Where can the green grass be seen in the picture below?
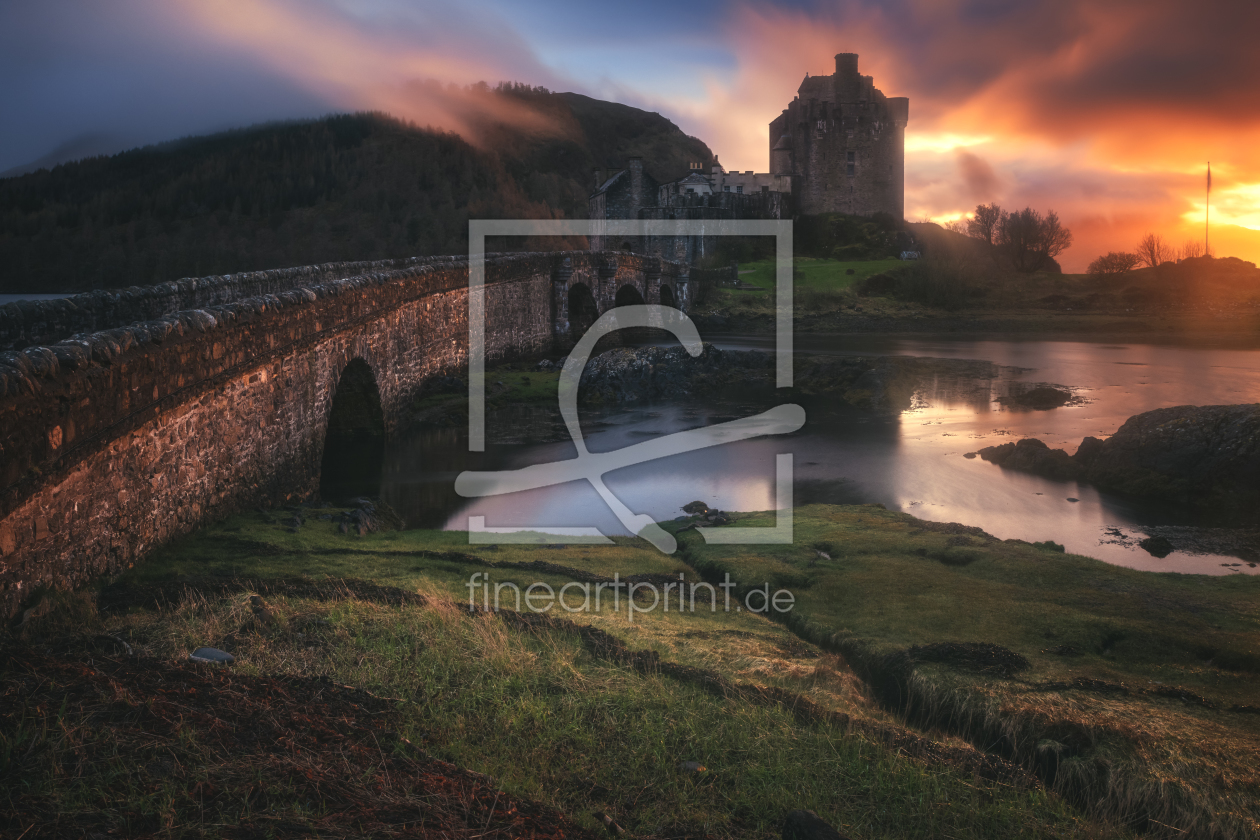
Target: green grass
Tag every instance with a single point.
(506, 385)
(815, 274)
(538, 710)
(893, 583)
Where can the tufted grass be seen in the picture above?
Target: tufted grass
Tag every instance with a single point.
(538, 710)
(1181, 758)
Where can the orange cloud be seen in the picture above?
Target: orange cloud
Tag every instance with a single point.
(1106, 113)
(361, 67)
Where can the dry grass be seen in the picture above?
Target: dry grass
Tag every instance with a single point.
(567, 717)
(1147, 724)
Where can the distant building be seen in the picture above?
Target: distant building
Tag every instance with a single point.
(839, 147)
(632, 193)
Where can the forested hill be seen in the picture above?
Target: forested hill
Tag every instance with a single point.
(350, 187)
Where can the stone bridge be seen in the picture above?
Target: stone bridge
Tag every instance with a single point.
(193, 399)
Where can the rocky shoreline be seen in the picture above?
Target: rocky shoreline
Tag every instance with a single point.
(1206, 458)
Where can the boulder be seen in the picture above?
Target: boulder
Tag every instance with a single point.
(802, 824)
(211, 656)
(1158, 546)
(1204, 457)
(1201, 455)
(1031, 455)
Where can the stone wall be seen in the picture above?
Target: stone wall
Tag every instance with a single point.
(31, 322)
(114, 442)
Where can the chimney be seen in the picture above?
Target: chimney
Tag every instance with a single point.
(599, 177)
(636, 183)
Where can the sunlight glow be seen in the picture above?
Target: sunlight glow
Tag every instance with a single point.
(942, 141)
(1236, 205)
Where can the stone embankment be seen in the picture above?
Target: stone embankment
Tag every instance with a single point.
(1205, 457)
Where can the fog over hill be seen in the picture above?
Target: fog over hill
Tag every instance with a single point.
(345, 187)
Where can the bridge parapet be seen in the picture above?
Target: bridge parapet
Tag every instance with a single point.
(33, 322)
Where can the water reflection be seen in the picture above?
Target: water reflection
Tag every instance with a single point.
(913, 461)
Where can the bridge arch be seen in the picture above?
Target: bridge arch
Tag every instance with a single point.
(667, 296)
(628, 295)
(354, 440)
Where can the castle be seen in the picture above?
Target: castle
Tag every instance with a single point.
(842, 142)
(838, 147)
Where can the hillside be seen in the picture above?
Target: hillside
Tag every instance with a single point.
(346, 187)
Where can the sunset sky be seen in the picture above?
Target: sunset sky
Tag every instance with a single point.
(1104, 111)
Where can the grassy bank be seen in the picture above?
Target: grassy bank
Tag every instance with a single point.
(1132, 693)
(947, 295)
(387, 678)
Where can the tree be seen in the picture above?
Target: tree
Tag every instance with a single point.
(1113, 262)
(986, 223)
(1153, 250)
(1030, 241)
(1190, 249)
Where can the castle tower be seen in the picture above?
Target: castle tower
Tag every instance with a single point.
(843, 143)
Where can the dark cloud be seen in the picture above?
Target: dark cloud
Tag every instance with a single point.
(978, 176)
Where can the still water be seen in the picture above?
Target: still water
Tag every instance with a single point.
(912, 461)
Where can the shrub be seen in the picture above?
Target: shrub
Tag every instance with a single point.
(940, 283)
(1113, 262)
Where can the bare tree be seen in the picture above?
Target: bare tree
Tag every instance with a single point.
(1190, 249)
(1153, 250)
(986, 223)
(1055, 238)
(1113, 262)
(1029, 241)
(956, 226)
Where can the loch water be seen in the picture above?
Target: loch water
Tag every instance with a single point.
(912, 461)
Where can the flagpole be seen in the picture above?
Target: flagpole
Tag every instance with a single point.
(1207, 213)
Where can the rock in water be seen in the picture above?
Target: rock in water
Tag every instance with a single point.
(1031, 455)
(1204, 457)
(1158, 546)
(1040, 399)
(806, 825)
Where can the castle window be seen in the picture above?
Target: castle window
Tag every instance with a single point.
(726, 188)
(765, 189)
(850, 163)
(739, 188)
(690, 191)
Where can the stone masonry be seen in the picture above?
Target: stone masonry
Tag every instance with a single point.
(843, 143)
